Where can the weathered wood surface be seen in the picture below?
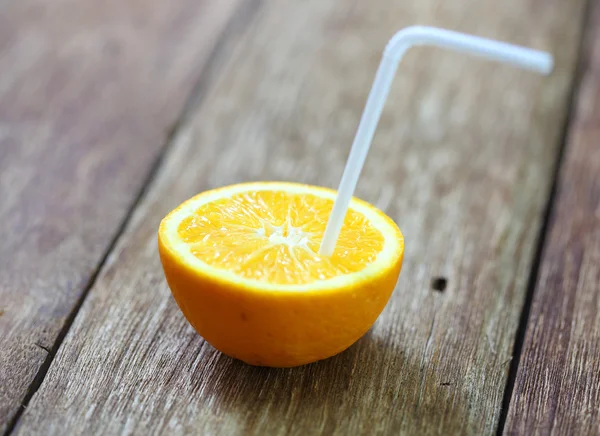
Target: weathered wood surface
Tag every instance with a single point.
(88, 94)
(462, 161)
(557, 389)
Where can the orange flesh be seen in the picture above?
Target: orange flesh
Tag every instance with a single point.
(274, 237)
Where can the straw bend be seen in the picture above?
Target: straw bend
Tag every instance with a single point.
(534, 60)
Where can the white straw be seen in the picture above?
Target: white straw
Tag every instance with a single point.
(526, 58)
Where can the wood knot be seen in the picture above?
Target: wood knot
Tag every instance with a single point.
(439, 284)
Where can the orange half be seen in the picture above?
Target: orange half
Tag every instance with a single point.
(242, 263)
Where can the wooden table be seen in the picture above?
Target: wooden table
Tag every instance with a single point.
(113, 112)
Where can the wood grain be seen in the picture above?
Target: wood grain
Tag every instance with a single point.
(557, 388)
(462, 161)
(88, 94)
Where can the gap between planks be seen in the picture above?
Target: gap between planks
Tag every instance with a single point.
(543, 233)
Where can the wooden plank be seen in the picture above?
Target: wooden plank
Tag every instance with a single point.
(462, 161)
(557, 387)
(88, 94)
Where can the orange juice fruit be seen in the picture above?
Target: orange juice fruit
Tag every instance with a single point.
(242, 263)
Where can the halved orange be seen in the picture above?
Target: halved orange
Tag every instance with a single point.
(242, 263)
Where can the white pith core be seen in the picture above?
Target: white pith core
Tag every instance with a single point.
(286, 234)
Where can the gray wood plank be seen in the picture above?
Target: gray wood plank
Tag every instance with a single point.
(89, 91)
(557, 388)
(462, 161)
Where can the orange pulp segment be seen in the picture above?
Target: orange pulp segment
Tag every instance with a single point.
(274, 237)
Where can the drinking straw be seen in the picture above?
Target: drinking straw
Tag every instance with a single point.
(406, 38)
